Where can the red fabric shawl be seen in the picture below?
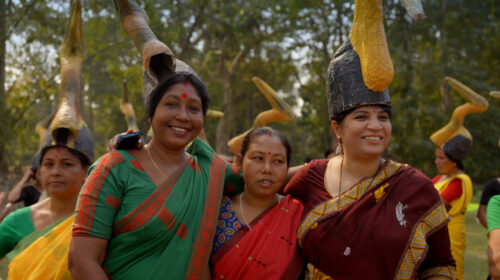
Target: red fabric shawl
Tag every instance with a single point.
(269, 251)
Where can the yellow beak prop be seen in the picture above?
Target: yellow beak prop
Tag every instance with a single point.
(280, 112)
(475, 104)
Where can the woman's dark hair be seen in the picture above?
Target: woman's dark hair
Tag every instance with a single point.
(84, 160)
(266, 130)
(459, 163)
(341, 116)
(171, 80)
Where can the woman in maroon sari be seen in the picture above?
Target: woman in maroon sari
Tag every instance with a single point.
(256, 235)
(367, 217)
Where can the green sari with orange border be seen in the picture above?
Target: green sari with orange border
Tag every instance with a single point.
(163, 232)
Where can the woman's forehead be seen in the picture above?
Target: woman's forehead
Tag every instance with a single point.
(267, 142)
(59, 152)
(184, 90)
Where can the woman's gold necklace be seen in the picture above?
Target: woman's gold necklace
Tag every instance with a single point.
(242, 214)
(154, 163)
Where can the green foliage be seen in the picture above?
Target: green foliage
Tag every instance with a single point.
(450, 42)
(288, 44)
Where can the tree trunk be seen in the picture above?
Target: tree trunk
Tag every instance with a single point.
(443, 58)
(222, 128)
(3, 39)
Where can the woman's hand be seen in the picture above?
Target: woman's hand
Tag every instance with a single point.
(28, 173)
(15, 192)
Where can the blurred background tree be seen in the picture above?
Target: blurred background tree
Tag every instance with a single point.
(287, 43)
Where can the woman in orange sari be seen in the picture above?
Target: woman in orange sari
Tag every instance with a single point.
(256, 233)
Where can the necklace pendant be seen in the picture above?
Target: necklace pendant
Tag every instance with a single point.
(347, 251)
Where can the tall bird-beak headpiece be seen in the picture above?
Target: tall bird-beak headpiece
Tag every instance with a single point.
(454, 138)
(361, 69)
(67, 127)
(280, 112)
(157, 59)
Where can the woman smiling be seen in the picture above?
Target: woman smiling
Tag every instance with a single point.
(149, 213)
(367, 217)
(256, 235)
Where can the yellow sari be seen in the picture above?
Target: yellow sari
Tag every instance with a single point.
(456, 226)
(45, 258)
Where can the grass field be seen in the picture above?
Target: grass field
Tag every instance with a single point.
(475, 260)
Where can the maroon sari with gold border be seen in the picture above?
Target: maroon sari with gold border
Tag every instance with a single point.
(392, 226)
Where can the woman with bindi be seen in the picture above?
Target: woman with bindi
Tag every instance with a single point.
(63, 169)
(256, 233)
(66, 154)
(42, 230)
(158, 204)
(366, 217)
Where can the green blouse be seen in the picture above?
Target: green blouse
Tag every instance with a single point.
(13, 228)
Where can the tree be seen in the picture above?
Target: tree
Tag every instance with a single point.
(289, 44)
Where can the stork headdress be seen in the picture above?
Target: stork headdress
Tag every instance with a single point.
(68, 128)
(361, 69)
(454, 138)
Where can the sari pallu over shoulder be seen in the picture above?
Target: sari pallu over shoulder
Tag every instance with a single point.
(40, 255)
(459, 205)
(456, 226)
(268, 251)
(174, 227)
(170, 233)
(380, 228)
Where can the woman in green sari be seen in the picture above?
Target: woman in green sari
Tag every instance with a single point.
(66, 153)
(151, 213)
(63, 169)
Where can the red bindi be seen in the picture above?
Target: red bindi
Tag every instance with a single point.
(269, 153)
(184, 95)
(270, 133)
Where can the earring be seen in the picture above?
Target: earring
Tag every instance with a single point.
(338, 150)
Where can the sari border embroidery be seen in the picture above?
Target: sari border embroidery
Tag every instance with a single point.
(149, 207)
(330, 206)
(417, 246)
(112, 201)
(95, 181)
(202, 247)
(314, 273)
(440, 272)
(166, 217)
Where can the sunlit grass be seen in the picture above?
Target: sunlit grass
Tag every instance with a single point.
(475, 259)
